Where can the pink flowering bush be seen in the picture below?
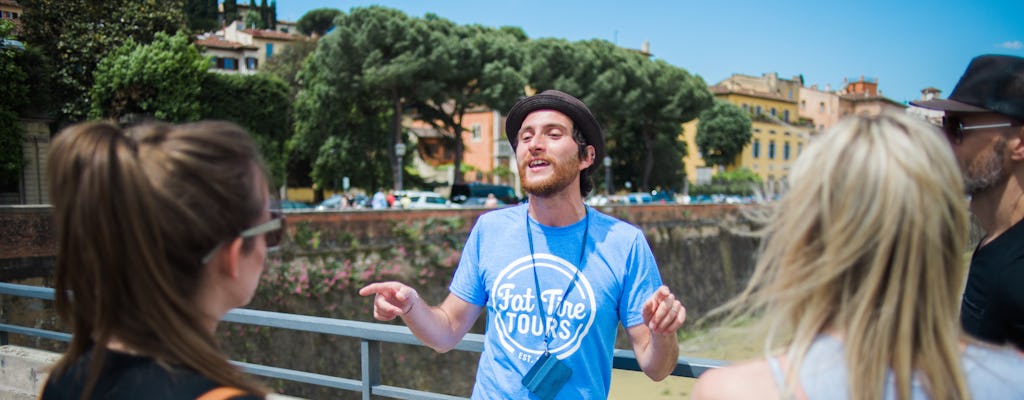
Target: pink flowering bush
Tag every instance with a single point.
(319, 272)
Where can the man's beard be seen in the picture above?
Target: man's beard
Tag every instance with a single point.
(989, 174)
(565, 171)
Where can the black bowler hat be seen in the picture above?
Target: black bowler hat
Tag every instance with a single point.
(992, 83)
(565, 104)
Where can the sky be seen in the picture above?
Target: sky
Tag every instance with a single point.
(906, 45)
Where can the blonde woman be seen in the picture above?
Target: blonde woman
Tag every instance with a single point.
(161, 230)
(860, 275)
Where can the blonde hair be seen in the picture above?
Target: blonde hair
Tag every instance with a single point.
(868, 244)
(135, 212)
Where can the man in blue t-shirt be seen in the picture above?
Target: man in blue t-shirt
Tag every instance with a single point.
(555, 276)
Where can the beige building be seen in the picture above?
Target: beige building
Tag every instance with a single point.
(229, 57)
(10, 10)
(819, 106)
(266, 42)
(933, 116)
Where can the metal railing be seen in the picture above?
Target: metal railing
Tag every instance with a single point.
(371, 335)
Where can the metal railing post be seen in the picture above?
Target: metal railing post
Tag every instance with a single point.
(370, 354)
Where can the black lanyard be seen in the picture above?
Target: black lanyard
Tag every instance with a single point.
(572, 283)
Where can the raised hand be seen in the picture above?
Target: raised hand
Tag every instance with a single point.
(392, 299)
(662, 313)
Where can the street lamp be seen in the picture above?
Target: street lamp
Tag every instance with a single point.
(607, 175)
(399, 153)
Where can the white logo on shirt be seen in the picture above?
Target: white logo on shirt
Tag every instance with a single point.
(518, 318)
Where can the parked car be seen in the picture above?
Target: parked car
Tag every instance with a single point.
(422, 200)
(331, 203)
(479, 202)
(287, 205)
(463, 191)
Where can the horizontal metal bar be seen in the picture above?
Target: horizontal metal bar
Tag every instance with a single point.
(300, 376)
(340, 327)
(35, 332)
(36, 292)
(403, 393)
(686, 367)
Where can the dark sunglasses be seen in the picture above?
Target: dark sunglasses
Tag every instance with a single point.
(272, 231)
(955, 128)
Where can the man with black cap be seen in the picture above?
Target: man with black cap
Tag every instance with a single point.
(555, 276)
(984, 121)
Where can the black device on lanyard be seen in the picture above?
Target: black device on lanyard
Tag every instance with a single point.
(547, 377)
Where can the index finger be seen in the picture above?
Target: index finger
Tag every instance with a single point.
(661, 294)
(375, 288)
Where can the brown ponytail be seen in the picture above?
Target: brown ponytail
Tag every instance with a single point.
(135, 212)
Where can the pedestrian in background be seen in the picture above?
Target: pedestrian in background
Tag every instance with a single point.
(859, 275)
(161, 231)
(379, 200)
(491, 201)
(984, 122)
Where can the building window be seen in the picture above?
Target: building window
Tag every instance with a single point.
(803, 104)
(790, 94)
(773, 111)
(785, 151)
(799, 148)
(785, 115)
(821, 107)
(771, 132)
(756, 150)
(771, 150)
(270, 50)
(757, 110)
(251, 63)
(227, 63)
(475, 129)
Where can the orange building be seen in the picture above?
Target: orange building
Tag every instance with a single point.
(486, 157)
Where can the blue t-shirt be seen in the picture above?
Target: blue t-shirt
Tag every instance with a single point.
(497, 271)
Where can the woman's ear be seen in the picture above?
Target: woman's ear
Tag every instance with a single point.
(229, 257)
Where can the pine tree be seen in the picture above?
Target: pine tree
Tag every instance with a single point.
(264, 14)
(230, 11)
(273, 14)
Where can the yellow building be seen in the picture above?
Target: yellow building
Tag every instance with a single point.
(778, 136)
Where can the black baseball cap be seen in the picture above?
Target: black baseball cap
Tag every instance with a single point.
(992, 83)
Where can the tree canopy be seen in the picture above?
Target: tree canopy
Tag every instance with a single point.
(722, 132)
(162, 79)
(77, 34)
(474, 66)
(317, 22)
(259, 103)
(374, 65)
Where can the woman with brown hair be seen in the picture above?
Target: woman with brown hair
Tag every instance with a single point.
(161, 230)
(859, 278)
